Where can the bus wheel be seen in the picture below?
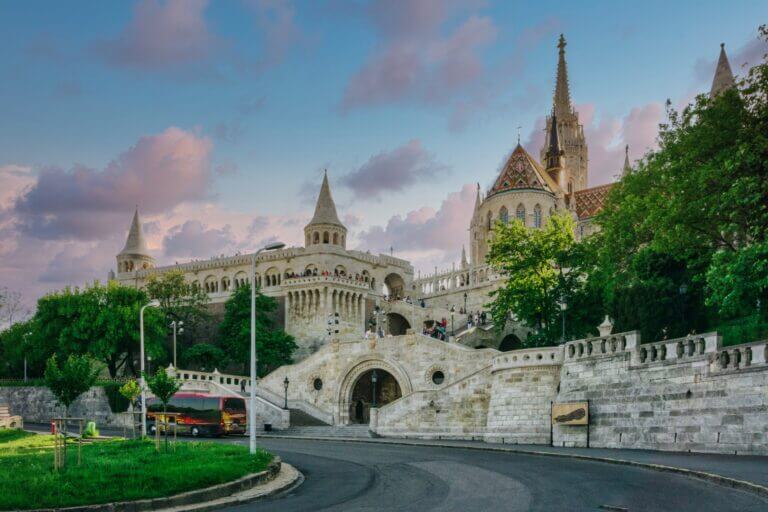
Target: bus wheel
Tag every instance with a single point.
(195, 431)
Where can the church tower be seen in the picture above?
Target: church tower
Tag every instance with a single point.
(723, 79)
(570, 132)
(325, 226)
(135, 255)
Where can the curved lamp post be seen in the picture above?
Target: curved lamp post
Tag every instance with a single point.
(286, 383)
(374, 377)
(177, 329)
(252, 402)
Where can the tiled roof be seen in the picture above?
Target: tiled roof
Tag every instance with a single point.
(521, 171)
(590, 201)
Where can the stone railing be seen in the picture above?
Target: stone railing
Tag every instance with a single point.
(528, 357)
(310, 280)
(688, 347)
(601, 346)
(741, 356)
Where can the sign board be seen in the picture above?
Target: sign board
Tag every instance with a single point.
(573, 413)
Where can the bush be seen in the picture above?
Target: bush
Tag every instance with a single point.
(117, 402)
(90, 430)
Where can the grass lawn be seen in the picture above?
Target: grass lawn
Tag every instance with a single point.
(113, 470)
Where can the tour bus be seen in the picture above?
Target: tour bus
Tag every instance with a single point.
(199, 414)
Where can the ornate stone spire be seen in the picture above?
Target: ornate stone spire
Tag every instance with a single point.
(723, 79)
(325, 209)
(554, 149)
(562, 100)
(627, 170)
(464, 262)
(135, 244)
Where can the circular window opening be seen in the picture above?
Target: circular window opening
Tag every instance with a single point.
(438, 377)
(317, 384)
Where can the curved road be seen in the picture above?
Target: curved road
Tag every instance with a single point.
(372, 477)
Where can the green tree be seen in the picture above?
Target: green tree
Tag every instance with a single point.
(542, 268)
(163, 386)
(131, 392)
(205, 357)
(75, 376)
(273, 346)
(15, 345)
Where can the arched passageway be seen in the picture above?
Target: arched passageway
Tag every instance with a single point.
(510, 342)
(387, 390)
(394, 286)
(397, 324)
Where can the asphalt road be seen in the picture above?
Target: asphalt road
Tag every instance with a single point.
(372, 477)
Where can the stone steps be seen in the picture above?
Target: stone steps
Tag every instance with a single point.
(340, 431)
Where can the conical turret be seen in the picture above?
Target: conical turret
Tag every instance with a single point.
(135, 255)
(555, 161)
(325, 226)
(464, 262)
(723, 79)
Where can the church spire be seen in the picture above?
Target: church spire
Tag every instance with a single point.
(477, 198)
(554, 149)
(627, 170)
(464, 262)
(135, 243)
(562, 101)
(723, 75)
(325, 209)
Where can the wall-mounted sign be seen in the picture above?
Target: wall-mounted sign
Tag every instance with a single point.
(572, 413)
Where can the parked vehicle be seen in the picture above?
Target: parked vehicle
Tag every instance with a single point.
(199, 414)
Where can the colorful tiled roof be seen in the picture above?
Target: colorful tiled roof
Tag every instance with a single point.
(521, 171)
(590, 201)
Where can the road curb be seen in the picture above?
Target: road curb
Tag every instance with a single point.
(733, 483)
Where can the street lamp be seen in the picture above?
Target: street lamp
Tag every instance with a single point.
(149, 365)
(453, 313)
(252, 402)
(286, 382)
(374, 377)
(142, 382)
(177, 328)
(682, 291)
(563, 307)
(465, 304)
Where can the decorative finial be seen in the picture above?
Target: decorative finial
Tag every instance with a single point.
(722, 45)
(518, 134)
(626, 150)
(561, 43)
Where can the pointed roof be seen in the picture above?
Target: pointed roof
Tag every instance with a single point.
(554, 150)
(464, 262)
(562, 101)
(723, 75)
(135, 244)
(521, 171)
(325, 209)
(627, 167)
(590, 201)
(477, 199)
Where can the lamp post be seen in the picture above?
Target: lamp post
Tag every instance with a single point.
(252, 402)
(374, 377)
(286, 382)
(149, 365)
(682, 291)
(563, 307)
(465, 303)
(453, 313)
(142, 382)
(177, 328)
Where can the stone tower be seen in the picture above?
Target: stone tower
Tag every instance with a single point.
(135, 255)
(325, 226)
(571, 132)
(723, 75)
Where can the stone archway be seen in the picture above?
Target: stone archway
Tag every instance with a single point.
(355, 375)
(397, 324)
(386, 390)
(394, 286)
(510, 342)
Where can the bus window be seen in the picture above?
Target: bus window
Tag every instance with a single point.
(234, 404)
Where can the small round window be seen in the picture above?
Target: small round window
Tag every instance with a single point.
(317, 384)
(438, 377)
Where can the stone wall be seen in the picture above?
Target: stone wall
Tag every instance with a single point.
(36, 404)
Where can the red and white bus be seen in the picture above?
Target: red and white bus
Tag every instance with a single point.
(199, 414)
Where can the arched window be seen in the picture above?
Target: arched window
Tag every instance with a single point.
(326, 237)
(537, 216)
(335, 239)
(490, 220)
(504, 215)
(316, 238)
(520, 214)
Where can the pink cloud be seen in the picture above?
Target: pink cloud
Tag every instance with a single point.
(393, 170)
(414, 59)
(162, 34)
(157, 173)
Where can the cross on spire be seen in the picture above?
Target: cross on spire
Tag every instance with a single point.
(562, 101)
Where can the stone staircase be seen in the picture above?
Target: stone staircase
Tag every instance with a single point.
(337, 431)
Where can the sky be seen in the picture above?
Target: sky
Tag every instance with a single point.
(217, 118)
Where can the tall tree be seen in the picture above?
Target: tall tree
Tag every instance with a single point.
(273, 346)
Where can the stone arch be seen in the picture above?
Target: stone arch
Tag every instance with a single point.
(340, 270)
(397, 324)
(504, 215)
(395, 285)
(241, 279)
(510, 342)
(210, 284)
(316, 237)
(326, 237)
(357, 370)
(335, 239)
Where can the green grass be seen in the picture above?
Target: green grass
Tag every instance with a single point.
(115, 470)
